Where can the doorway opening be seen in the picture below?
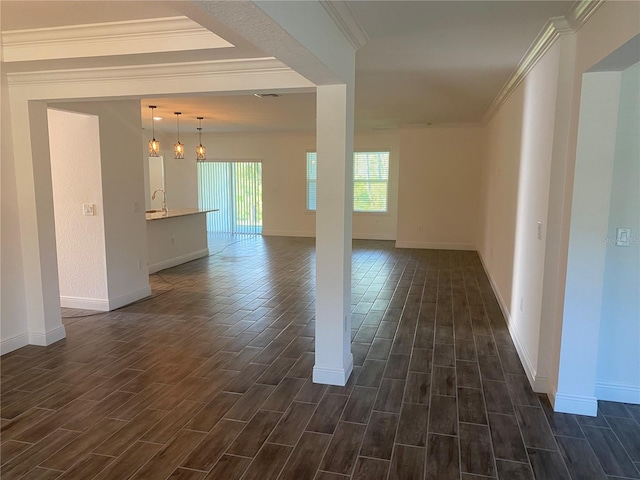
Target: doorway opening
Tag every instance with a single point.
(234, 187)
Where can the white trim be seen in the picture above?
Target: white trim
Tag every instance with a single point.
(179, 260)
(575, 404)
(344, 19)
(554, 28)
(618, 393)
(128, 298)
(101, 305)
(539, 384)
(47, 338)
(13, 343)
(552, 395)
(333, 376)
(178, 70)
(373, 236)
(304, 234)
(435, 245)
(169, 34)
(288, 233)
(581, 11)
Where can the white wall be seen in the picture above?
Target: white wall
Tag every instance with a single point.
(13, 312)
(613, 25)
(74, 142)
(283, 157)
(586, 256)
(123, 197)
(439, 191)
(618, 367)
(519, 157)
(433, 182)
(528, 178)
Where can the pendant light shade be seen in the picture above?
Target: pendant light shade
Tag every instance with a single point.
(154, 145)
(200, 149)
(178, 148)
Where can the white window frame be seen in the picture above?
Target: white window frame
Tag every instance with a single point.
(314, 180)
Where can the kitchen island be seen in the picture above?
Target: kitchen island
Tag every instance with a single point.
(176, 236)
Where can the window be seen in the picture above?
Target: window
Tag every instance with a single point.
(370, 181)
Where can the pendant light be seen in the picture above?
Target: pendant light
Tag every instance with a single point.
(200, 149)
(154, 145)
(178, 148)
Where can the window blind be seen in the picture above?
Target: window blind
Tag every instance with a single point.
(370, 181)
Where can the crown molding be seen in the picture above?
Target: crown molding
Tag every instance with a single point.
(554, 28)
(111, 38)
(581, 11)
(180, 70)
(343, 17)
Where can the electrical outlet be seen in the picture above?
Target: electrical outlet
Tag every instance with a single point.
(539, 231)
(89, 209)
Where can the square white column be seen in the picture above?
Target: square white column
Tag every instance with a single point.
(334, 205)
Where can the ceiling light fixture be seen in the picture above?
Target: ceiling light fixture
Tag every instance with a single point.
(178, 148)
(200, 149)
(154, 145)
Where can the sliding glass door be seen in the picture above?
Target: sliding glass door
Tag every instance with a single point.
(236, 189)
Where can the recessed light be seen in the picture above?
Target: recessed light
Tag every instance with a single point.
(157, 118)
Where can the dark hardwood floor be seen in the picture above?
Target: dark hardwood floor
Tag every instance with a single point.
(211, 380)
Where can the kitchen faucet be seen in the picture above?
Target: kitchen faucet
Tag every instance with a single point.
(164, 199)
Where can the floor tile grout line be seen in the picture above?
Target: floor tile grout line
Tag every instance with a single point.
(580, 425)
(482, 391)
(406, 377)
(395, 335)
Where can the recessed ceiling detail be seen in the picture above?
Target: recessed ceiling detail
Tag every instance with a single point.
(169, 34)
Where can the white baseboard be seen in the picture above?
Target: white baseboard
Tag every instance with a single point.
(104, 305)
(287, 233)
(84, 303)
(618, 393)
(373, 236)
(538, 383)
(355, 236)
(435, 245)
(32, 338)
(13, 343)
(179, 260)
(575, 404)
(333, 376)
(128, 298)
(47, 338)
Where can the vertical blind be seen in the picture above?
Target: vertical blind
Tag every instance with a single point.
(235, 188)
(370, 181)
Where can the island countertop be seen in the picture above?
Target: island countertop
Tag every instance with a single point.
(176, 212)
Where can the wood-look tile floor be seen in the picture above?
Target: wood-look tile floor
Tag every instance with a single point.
(211, 380)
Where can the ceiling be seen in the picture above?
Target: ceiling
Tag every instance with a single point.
(437, 62)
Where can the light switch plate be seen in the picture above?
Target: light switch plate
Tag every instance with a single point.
(623, 237)
(89, 209)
